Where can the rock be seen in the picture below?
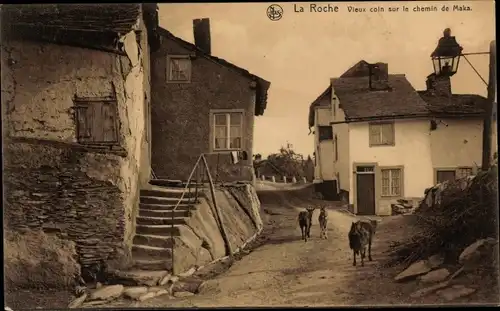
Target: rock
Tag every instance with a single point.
(189, 284)
(138, 277)
(188, 272)
(475, 251)
(456, 291)
(98, 285)
(426, 291)
(135, 292)
(147, 296)
(435, 261)
(164, 280)
(207, 286)
(183, 294)
(435, 276)
(78, 301)
(107, 292)
(94, 303)
(418, 268)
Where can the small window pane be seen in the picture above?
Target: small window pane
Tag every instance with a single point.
(220, 131)
(236, 118)
(220, 119)
(235, 131)
(220, 143)
(235, 143)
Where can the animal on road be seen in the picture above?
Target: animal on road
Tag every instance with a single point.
(305, 222)
(361, 237)
(323, 222)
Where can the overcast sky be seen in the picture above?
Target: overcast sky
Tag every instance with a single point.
(301, 52)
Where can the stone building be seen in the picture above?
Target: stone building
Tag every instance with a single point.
(202, 104)
(76, 121)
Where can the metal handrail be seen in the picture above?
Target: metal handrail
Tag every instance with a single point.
(217, 215)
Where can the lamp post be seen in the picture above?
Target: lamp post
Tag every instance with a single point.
(446, 58)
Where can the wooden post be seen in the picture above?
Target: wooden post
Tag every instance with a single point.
(263, 177)
(486, 161)
(273, 179)
(284, 179)
(294, 180)
(304, 180)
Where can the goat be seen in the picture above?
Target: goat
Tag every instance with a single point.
(305, 222)
(323, 221)
(361, 236)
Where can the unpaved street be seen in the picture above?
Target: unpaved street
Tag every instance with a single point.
(286, 271)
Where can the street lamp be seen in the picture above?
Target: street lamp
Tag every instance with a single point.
(446, 56)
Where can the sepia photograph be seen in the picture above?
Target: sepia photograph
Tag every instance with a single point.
(286, 154)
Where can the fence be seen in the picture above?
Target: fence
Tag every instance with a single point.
(283, 179)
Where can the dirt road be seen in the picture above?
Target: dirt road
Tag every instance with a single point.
(286, 271)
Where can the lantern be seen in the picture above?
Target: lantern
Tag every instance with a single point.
(446, 56)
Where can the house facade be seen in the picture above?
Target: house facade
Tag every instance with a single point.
(394, 142)
(76, 121)
(202, 104)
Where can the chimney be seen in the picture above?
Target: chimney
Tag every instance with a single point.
(438, 85)
(201, 29)
(379, 76)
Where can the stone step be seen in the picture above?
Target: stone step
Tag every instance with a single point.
(142, 220)
(166, 201)
(172, 183)
(167, 207)
(171, 192)
(143, 212)
(148, 264)
(153, 240)
(162, 230)
(152, 252)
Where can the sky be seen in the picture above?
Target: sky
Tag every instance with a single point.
(300, 52)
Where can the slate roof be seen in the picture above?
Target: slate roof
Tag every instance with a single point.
(456, 104)
(359, 102)
(262, 85)
(88, 25)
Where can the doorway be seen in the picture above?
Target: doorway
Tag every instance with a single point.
(365, 190)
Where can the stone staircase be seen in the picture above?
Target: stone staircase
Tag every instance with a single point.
(151, 249)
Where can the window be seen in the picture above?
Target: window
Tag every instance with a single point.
(325, 133)
(178, 68)
(391, 182)
(445, 175)
(336, 150)
(382, 134)
(464, 172)
(227, 130)
(96, 121)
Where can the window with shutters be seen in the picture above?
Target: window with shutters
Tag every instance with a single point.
(96, 121)
(178, 68)
(381, 134)
(391, 182)
(227, 130)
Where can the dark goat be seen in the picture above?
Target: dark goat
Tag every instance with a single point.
(361, 236)
(305, 222)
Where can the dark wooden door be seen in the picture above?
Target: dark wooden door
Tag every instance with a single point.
(365, 184)
(443, 176)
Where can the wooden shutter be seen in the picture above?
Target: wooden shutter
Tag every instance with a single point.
(97, 122)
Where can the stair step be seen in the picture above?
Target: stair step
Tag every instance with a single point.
(151, 252)
(162, 230)
(153, 240)
(172, 183)
(171, 193)
(167, 207)
(148, 264)
(144, 220)
(143, 212)
(163, 200)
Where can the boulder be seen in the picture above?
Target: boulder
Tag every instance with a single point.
(428, 290)
(418, 268)
(476, 251)
(455, 292)
(139, 277)
(188, 284)
(78, 301)
(435, 261)
(146, 296)
(107, 292)
(135, 292)
(435, 276)
(183, 294)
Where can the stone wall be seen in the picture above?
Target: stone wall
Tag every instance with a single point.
(201, 240)
(180, 115)
(53, 188)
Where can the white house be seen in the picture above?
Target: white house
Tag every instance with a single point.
(385, 141)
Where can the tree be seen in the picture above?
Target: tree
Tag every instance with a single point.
(288, 161)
